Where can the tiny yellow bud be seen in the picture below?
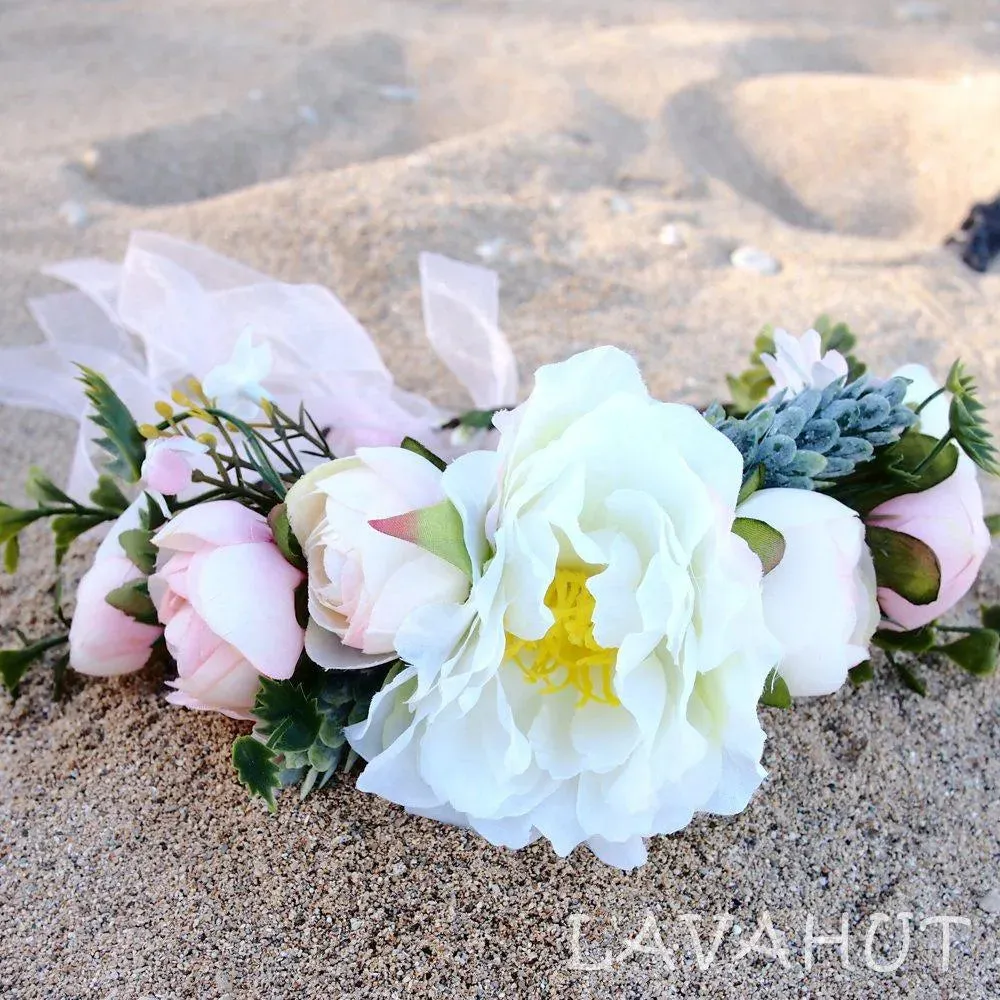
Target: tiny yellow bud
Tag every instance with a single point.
(179, 398)
(199, 413)
(268, 407)
(208, 440)
(196, 391)
(149, 431)
(164, 409)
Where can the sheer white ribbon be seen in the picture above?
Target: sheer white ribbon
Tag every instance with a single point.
(173, 310)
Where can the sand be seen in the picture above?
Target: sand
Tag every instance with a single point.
(331, 142)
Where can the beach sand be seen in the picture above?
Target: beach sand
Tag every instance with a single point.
(557, 142)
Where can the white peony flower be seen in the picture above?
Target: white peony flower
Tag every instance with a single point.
(363, 583)
(819, 601)
(798, 363)
(600, 684)
(236, 385)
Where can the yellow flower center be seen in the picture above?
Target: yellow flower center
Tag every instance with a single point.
(568, 654)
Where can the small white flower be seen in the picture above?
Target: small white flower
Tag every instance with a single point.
(798, 363)
(236, 384)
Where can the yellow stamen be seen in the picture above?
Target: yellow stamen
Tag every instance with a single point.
(568, 654)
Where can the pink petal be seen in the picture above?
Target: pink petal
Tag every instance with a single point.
(208, 525)
(246, 596)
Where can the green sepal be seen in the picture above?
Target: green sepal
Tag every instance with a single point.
(108, 495)
(284, 537)
(257, 769)
(15, 663)
(905, 565)
(137, 544)
(776, 693)
(122, 440)
(975, 653)
(861, 674)
(897, 470)
(993, 524)
(437, 529)
(288, 717)
(753, 482)
(918, 641)
(412, 444)
(68, 527)
(767, 543)
(133, 600)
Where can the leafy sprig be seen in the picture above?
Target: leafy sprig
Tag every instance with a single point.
(299, 734)
(965, 420)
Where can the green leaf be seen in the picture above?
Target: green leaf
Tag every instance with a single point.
(42, 490)
(59, 669)
(767, 543)
(68, 527)
(476, 419)
(910, 679)
(133, 600)
(993, 524)
(775, 693)
(108, 495)
(289, 717)
(284, 537)
(11, 554)
(256, 768)
(918, 641)
(412, 444)
(966, 421)
(122, 440)
(152, 516)
(13, 520)
(905, 564)
(990, 616)
(753, 482)
(437, 529)
(137, 544)
(861, 674)
(976, 652)
(15, 663)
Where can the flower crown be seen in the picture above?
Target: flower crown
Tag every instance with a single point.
(555, 619)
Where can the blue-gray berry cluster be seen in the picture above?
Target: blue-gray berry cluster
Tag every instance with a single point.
(820, 434)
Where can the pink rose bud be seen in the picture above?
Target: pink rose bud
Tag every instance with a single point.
(103, 641)
(948, 518)
(226, 595)
(170, 463)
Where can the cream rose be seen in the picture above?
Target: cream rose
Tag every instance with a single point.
(362, 583)
(600, 683)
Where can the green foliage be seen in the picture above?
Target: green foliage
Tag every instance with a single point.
(913, 464)
(137, 544)
(776, 693)
(301, 721)
(976, 652)
(990, 616)
(108, 496)
(15, 663)
(479, 420)
(918, 641)
(133, 600)
(910, 678)
(412, 444)
(11, 554)
(122, 441)
(993, 524)
(67, 528)
(861, 674)
(965, 420)
(905, 564)
(766, 542)
(257, 769)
